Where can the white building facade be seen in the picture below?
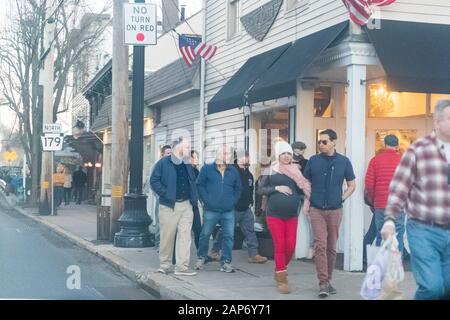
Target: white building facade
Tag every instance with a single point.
(300, 66)
(91, 62)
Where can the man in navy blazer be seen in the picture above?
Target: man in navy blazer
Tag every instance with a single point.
(173, 179)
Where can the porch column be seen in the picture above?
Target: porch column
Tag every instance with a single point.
(304, 132)
(355, 151)
(305, 119)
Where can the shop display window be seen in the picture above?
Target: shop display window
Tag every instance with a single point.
(435, 98)
(323, 104)
(384, 103)
(405, 138)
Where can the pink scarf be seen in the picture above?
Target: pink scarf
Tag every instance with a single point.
(293, 172)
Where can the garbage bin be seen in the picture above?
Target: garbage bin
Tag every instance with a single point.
(103, 218)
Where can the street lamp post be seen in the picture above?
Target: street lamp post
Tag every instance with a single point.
(135, 220)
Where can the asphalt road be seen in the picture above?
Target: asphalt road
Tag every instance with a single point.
(36, 263)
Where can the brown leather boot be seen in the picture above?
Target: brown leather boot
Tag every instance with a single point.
(282, 282)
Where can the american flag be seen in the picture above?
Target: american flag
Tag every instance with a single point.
(206, 51)
(361, 10)
(187, 46)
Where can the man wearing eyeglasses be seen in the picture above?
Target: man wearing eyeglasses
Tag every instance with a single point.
(327, 172)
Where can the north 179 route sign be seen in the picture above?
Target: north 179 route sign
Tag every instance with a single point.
(140, 24)
(52, 141)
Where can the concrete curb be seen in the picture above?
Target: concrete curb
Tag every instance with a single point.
(156, 284)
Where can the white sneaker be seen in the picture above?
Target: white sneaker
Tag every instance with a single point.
(226, 267)
(186, 272)
(200, 263)
(163, 270)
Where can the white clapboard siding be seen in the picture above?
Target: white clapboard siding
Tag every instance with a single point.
(430, 11)
(229, 123)
(80, 110)
(180, 115)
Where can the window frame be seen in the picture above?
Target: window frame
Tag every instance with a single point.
(234, 10)
(292, 5)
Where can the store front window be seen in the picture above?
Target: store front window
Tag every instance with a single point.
(386, 104)
(405, 138)
(273, 125)
(323, 103)
(435, 98)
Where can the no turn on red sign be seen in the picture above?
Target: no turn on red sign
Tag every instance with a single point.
(140, 24)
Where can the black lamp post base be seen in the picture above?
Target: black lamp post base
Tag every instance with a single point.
(134, 223)
(126, 240)
(44, 207)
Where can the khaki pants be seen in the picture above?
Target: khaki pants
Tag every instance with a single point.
(325, 225)
(175, 222)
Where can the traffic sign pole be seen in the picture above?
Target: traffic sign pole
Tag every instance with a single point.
(52, 141)
(53, 189)
(135, 220)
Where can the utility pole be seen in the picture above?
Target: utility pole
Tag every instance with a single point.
(47, 81)
(119, 132)
(135, 220)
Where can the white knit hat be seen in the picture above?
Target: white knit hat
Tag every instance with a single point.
(282, 147)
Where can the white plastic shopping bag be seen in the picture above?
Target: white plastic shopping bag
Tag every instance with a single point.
(405, 237)
(394, 275)
(371, 252)
(384, 274)
(303, 238)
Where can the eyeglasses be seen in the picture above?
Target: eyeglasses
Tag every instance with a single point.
(324, 142)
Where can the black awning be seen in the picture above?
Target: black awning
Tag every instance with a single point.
(87, 145)
(415, 56)
(232, 94)
(281, 79)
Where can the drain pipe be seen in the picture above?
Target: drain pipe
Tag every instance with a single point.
(202, 90)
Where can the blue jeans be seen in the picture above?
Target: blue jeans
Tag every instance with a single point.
(246, 221)
(210, 219)
(430, 259)
(399, 228)
(58, 196)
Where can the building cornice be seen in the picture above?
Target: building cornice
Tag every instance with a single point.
(346, 54)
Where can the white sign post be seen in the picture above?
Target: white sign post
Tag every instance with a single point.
(140, 24)
(52, 140)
